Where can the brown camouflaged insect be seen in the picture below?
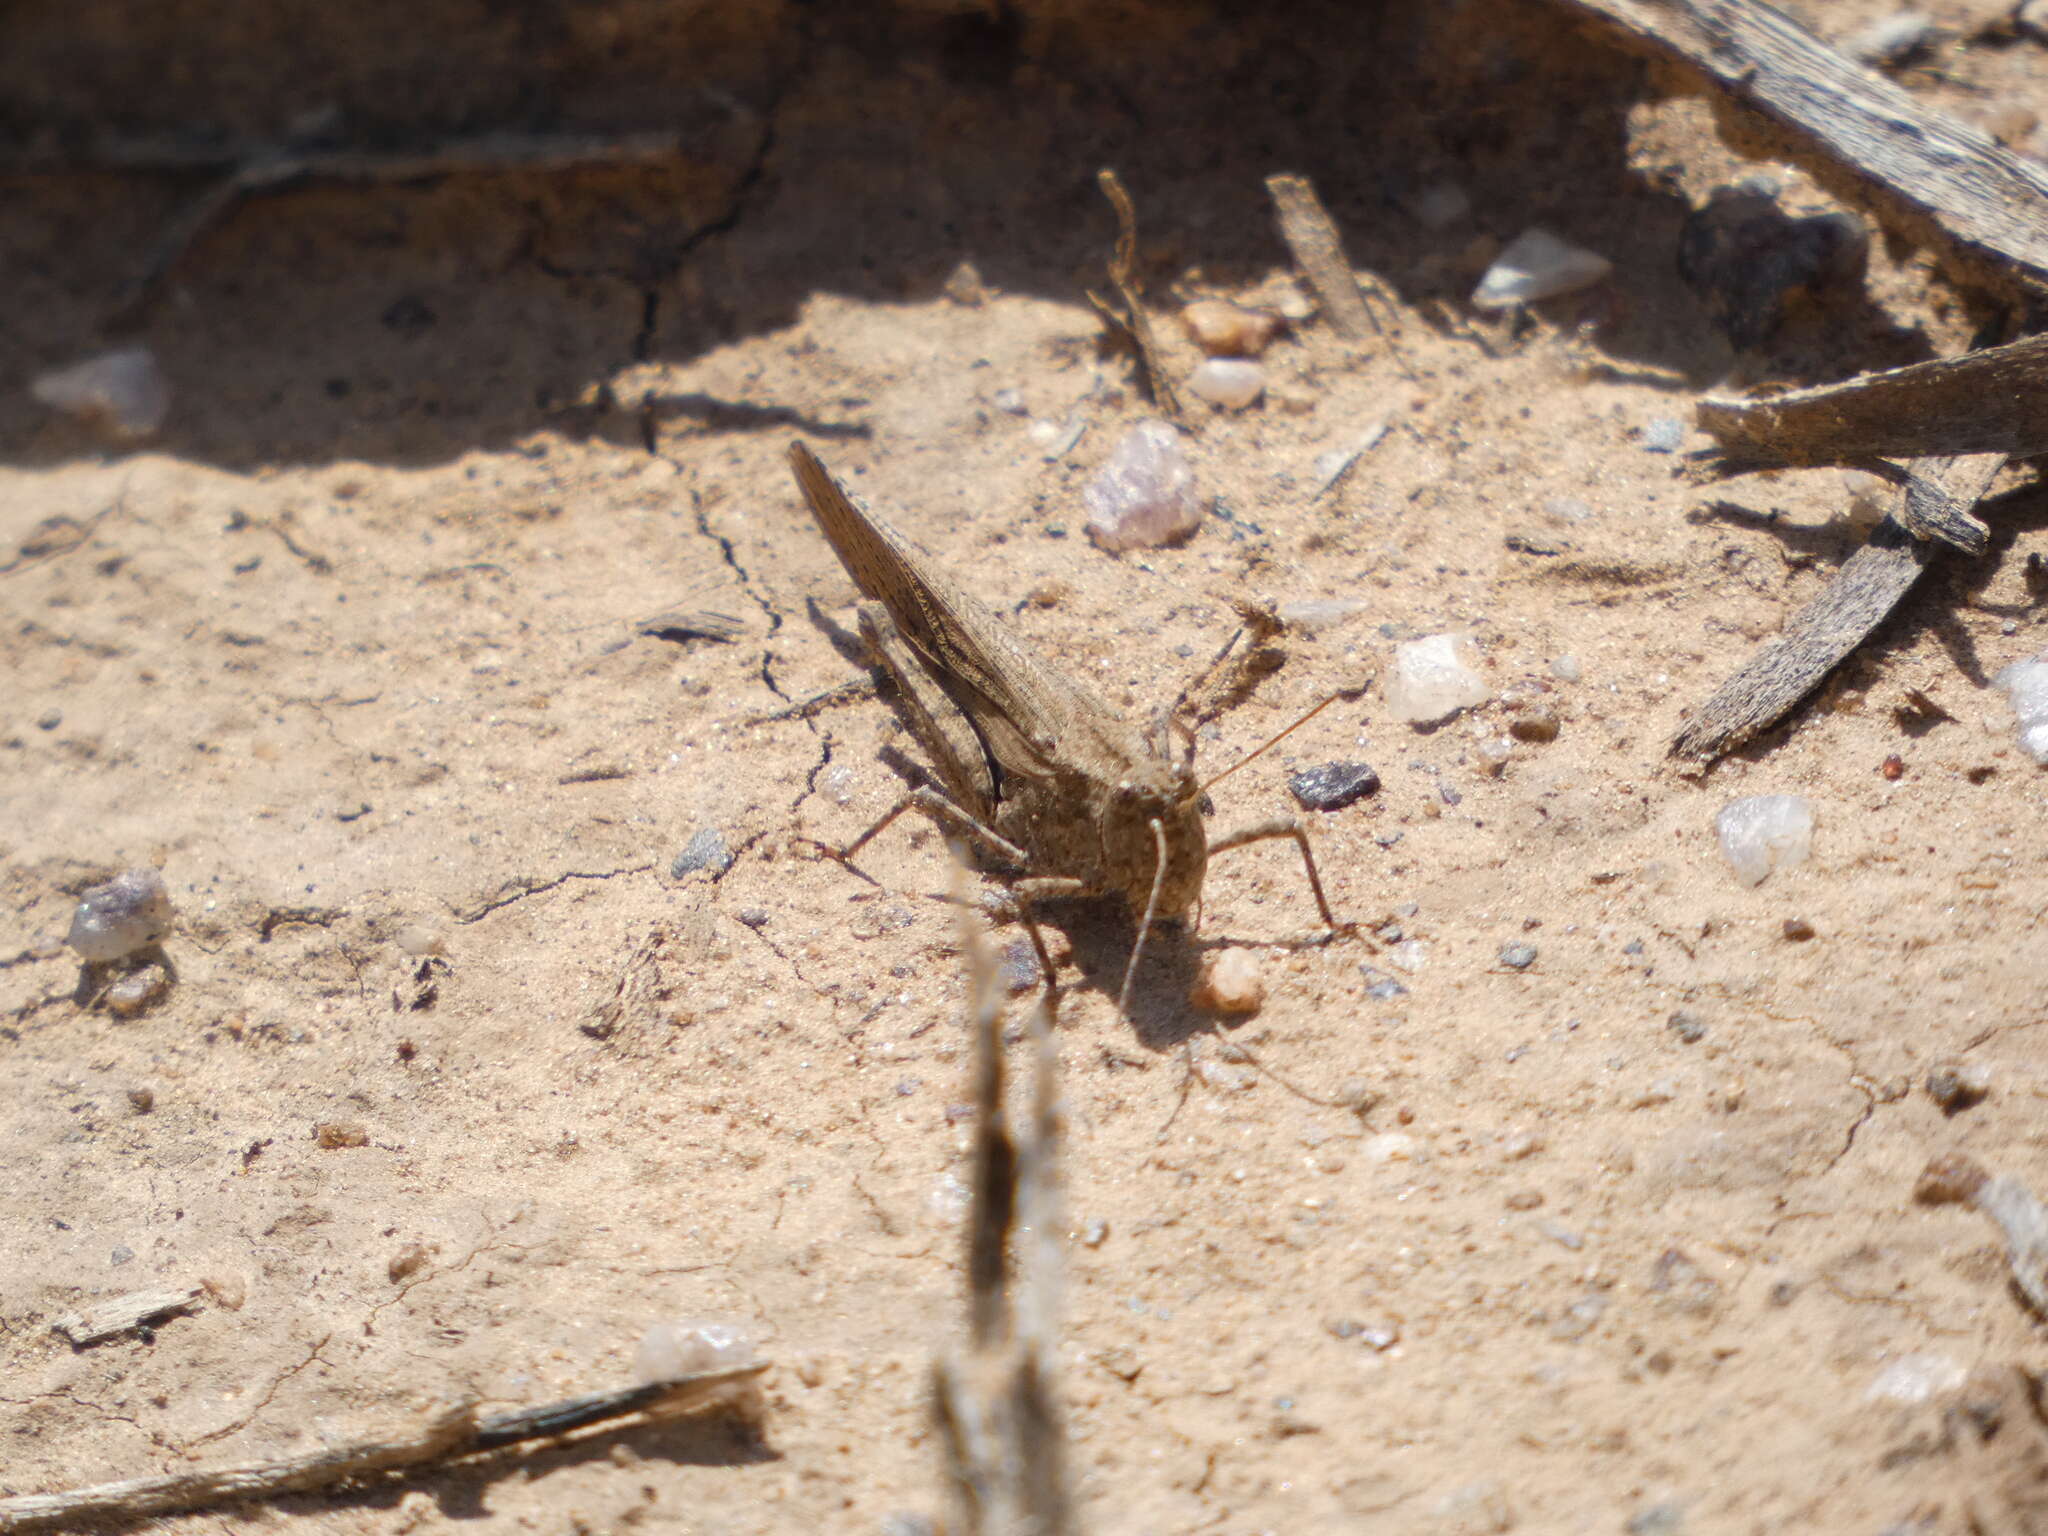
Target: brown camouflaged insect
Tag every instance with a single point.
(1036, 766)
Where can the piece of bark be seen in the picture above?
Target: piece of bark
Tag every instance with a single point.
(1926, 176)
(1993, 400)
(451, 1431)
(1817, 638)
(117, 1315)
(1317, 248)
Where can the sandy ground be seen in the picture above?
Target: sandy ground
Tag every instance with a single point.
(351, 652)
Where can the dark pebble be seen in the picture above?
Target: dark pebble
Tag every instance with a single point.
(1688, 1026)
(704, 850)
(753, 917)
(1332, 786)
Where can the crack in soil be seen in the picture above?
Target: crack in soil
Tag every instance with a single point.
(520, 887)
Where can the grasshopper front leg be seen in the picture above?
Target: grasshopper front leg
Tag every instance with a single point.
(1283, 826)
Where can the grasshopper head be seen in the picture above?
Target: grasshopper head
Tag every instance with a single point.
(1165, 793)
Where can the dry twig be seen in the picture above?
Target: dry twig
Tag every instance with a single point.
(1131, 318)
(452, 1431)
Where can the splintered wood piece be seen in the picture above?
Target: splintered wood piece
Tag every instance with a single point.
(1994, 400)
(453, 1430)
(1928, 177)
(1816, 639)
(1132, 319)
(124, 1314)
(1317, 248)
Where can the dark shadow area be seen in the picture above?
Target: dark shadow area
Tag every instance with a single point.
(864, 151)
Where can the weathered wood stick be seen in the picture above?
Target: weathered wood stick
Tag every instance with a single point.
(1816, 639)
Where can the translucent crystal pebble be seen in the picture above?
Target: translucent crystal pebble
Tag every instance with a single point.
(1434, 678)
(1538, 265)
(669, 1351)
(2025, 684)
(1223, 329)
(1144, 496)
(1763, 833)
(124, 392)
(1230, 382)
(130, 912)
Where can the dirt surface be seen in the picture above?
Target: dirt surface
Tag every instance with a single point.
(1624, 1241)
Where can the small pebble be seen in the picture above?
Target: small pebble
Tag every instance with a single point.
(122, 1254)
(1916, 1378)
(1798, 929)
(1388, 1147)
(1385, 990)
(1518, 956)
(1688, 1026)
(122, 393)
(1229, 382)
(1538, 724)
(1957, 1085)
(1223, 329)
(1095, 1233)
(1566, 669)
(1333, 464)
(130, 912)
(1440, 205)
(138, 991)
(1332, 786)
(752, 917)
(227, 1289)
(1664, 434)
(1144, 496)
(1313, 615)
(1665, 1519)
(1524, 1200)
(1019, 966)
(1762, 833)
(49, 719)
(1433, 678)
(407, 1262)
(1892, 41)
(1746, 258)
(142, 1100)
(2025, 684)
(332, 1135)
(1010, 402)
(705, 850)
(1893, 768)
(420, 941)
(670, 1351)
(1230, 982)
(1538, 265)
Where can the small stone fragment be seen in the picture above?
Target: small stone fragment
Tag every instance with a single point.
(964, 286)
(1539, 724)
(1230, 382)
(1230, 982)
(1223, 329)
(1957, 1085)
(1665, 1519)
(1095, 1233)
(1664, 434)
(1538, 265)
(1892, 41)
(1518, 956)
(332, 1135)
(49, 719)
(670, 1351)
(1566, 669)
(705, 850)
(1335, 464)
(130, 912)
(1916, 1378)
(1440, 205)
(2025, 684)
(1688, 1026)
(228, 1290)
(122, 393)
(1433, 678)
(407, 1262)
(1019, 966)
(142, 1100)
(1747, 259)
(1762, 833)
(138, 991)
(1798, 929)
(1010, 402)
(420, 940)
(1144, 496)
(1313, 615)
(1332, 786)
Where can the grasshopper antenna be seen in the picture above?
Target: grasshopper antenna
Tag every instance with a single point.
(1269, 743)
(1123, 997)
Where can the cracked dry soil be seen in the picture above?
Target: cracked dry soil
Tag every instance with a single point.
(352, 651)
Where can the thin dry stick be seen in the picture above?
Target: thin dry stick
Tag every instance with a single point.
(997, 1402)
(1132, 319)
(452, 1431)
(1317, 248)
(1818, 637)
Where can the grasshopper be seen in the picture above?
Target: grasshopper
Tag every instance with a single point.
(1036, 766)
